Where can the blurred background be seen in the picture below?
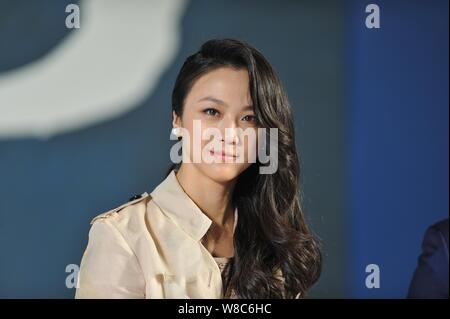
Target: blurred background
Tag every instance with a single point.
(85, 119)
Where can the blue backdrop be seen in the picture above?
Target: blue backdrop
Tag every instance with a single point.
(397, 133)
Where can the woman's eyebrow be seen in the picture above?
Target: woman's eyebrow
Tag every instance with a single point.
(248, 108)
(219, 101)
(213, 99)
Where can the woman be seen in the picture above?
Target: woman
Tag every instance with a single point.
(220, 228)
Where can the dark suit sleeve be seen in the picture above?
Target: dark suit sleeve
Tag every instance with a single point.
(430, 278)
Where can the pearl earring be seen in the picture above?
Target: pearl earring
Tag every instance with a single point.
(176, 131)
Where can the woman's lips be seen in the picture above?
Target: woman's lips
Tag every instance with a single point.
(223, 156)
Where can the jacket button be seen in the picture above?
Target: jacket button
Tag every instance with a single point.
(135, 197)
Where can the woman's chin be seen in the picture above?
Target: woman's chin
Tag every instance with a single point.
(223, 172)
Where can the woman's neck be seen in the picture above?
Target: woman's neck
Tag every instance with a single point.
(213, 198)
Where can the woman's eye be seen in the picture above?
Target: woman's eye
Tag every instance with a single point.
(249, 118)
(211, 112)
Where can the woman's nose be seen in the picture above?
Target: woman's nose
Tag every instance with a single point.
(230, 132)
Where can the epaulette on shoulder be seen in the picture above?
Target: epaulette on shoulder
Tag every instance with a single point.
(133, 200)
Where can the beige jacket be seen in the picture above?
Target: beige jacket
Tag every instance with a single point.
(150, 248)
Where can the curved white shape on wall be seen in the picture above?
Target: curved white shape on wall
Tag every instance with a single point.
(99, 72)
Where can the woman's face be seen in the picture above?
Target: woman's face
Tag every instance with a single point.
(220, 102)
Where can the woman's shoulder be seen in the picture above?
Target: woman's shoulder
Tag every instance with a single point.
(125, 210)
(129, 221)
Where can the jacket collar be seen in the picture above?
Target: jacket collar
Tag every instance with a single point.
(172, 199)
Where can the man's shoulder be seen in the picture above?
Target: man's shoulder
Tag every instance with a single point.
(438, 234)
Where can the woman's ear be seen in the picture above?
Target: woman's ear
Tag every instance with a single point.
(176, 125)
(176, 120)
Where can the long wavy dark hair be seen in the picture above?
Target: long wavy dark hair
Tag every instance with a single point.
(271, 235)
